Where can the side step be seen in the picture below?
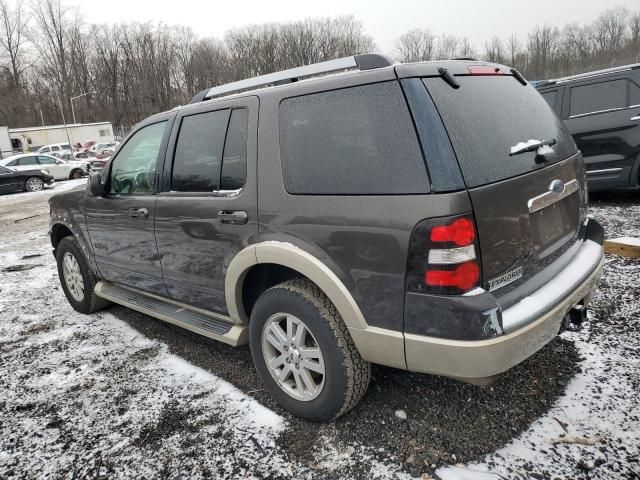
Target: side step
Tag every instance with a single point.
(209, 324)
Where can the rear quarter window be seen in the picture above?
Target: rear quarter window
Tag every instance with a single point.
(358, 140)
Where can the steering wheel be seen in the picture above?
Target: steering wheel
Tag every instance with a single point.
(143, 181)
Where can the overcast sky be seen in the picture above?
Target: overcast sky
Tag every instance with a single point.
(384, 20)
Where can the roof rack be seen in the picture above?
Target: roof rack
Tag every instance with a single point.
(367, 61)
(595, 73)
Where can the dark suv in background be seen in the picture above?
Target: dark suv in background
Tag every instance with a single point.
(601, 109)
(428, 217)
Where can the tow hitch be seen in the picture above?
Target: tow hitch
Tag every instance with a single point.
(573, 320)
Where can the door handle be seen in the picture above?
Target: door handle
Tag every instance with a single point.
(233, 217)
(635, 119)
(139, 213)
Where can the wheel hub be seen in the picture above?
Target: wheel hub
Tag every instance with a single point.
(73, 276)
(293, 356)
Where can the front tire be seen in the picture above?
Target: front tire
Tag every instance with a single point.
(33, 184)
(304, 353)
(76, 174)
(76, 278)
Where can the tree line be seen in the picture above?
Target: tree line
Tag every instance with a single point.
(128, 71)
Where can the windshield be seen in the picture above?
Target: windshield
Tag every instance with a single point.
(490, 115)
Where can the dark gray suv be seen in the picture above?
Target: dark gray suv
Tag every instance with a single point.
(428, 217)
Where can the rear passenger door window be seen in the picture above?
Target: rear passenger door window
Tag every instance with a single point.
(198, 156)
(234, 160)
(354, 141)
(27, 161)
(598, 97)
(211, 152)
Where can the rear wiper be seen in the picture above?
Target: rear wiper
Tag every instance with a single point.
(532, 146)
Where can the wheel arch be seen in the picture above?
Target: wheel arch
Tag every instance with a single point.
(296, 260)
(61, 228)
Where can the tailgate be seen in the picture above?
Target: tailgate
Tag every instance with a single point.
(524, 225)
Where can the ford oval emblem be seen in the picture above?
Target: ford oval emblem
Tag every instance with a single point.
(557, 186)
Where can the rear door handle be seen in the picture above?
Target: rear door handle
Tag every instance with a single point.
(139, 213)
(635, 119)
(233, 217)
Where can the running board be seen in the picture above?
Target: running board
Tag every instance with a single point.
(209, 324)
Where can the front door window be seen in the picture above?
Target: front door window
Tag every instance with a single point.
(133, 170)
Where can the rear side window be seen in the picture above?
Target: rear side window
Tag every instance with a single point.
(597, 97)
(27, 161)
(198, 155)
(358, 140)
(487, 116)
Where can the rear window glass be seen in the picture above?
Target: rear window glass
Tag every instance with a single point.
(487, 116)
(357, 140)
(598, 97)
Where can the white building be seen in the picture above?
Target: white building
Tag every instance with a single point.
(31, 138)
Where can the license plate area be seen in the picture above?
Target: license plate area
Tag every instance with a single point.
(554, 225)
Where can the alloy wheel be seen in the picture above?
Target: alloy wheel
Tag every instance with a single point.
(73, 276)
(293, 356)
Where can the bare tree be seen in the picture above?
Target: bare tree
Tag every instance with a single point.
(51, 21)
(416, 46)
(494, 50)
(12, 39)
(447, 46)
(465, 49)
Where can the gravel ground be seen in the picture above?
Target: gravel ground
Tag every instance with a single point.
(119, 394)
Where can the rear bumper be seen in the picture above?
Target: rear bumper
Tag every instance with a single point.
(528, 325)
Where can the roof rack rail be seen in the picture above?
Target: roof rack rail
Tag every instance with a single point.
(594, 73)
(367, 61)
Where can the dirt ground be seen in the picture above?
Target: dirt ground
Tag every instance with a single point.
(119, 394)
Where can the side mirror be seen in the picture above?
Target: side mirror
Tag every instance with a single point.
(95, 186)
(59, 162)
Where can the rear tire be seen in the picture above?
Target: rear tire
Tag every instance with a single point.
(326, 347)
(76, 278)
(33, 184)
(76, 174)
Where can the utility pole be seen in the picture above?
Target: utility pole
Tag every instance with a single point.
(73, 112)
(64, 122)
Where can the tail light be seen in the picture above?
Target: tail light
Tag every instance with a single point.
(444, 256)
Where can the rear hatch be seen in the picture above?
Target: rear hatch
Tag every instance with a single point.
(528, 205)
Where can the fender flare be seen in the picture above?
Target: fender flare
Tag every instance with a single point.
(79, 236)
(288, 255)
(375, 344)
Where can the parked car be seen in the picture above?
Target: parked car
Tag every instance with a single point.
(59, 168)
(601, 109)
(86, 146)
(100, 147)
(408, 215)
(96, 164)
(54, 147)
(31, 180)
